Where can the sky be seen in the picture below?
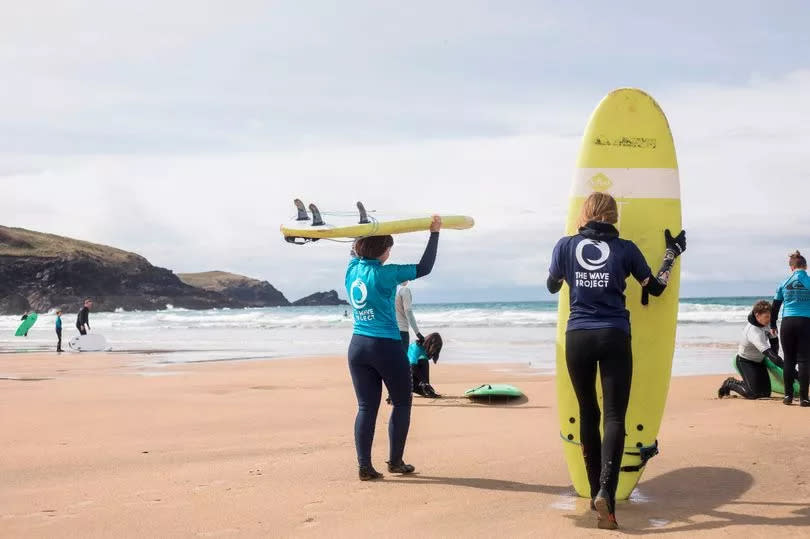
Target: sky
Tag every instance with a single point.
(182, 130)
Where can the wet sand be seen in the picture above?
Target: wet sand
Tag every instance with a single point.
(99, 445)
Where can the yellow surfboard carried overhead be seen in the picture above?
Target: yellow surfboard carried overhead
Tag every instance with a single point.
(628, 152)
(313, 226)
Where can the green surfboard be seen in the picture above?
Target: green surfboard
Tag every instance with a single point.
(27, 324)
(493, 390)
(776, 376)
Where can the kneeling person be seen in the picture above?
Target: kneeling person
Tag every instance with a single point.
(419, 354)
(754, 347)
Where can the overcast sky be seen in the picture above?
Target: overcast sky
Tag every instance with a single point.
(182, 130)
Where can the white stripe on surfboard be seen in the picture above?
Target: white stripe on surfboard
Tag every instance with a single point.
(628, 182)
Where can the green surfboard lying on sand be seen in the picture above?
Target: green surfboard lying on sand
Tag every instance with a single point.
(27, 324)
(776, 376)
(493, 390)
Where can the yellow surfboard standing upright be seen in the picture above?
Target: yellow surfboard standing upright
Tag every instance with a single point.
(628, 152)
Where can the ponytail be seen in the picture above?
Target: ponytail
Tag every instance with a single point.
(797, 261)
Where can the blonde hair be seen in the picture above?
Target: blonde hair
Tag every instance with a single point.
(599, 207)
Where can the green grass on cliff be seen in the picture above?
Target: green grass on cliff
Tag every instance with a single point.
(216, 280)
(22, 242)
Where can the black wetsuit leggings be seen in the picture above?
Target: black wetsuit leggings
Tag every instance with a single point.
(755, 383)
(372, 362)
(59, 339)
(406, 340)
(610, 350)
(795, 335)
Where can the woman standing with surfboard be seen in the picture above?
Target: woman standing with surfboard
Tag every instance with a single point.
(375, 351)
(595, 263)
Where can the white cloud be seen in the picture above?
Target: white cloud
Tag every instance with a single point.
(185, 136)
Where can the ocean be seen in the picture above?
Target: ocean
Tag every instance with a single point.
(509, 332)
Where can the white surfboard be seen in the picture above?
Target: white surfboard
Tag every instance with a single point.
(89, 343)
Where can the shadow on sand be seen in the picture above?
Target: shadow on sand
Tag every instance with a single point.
(690, 500)
(477, 402)
(482, 483)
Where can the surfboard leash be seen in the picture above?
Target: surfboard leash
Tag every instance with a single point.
(645, 453)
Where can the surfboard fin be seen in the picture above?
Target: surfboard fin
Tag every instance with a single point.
(363, 214)
(302, 210)
(295, 240)
(317, 220)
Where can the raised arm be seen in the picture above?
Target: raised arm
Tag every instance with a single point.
(425, 265)
(675, 247)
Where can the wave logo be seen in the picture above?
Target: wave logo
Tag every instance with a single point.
(358, 294)
(600, 182)
(591, 264)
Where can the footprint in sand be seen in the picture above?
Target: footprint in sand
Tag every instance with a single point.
(218, 533)
(215, 483)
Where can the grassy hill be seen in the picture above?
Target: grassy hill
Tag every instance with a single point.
(252, 292)
(22, 242)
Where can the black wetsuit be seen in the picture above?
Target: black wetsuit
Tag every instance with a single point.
(406, 340)
(59, 333)
(83, 321)
(596, 263)
(795, 330)
(795, 334)
(420, 373)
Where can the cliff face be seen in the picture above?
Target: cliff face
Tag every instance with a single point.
(42, 271)
(45, 281)
(320, 298)
(249, 292)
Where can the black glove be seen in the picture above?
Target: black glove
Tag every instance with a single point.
(420, 338)
(774, 345)
(677, 244)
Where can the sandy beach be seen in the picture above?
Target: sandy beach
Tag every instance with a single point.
(102, 445)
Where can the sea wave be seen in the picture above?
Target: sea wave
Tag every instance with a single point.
(539, 314)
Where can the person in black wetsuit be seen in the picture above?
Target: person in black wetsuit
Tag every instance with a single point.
(794, 293)
(83, 319)
(595, 263)
(23, 319)
(376, 355)
(58, 327)
(755, 346)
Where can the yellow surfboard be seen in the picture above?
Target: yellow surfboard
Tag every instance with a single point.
(345, 224)
(627, 151)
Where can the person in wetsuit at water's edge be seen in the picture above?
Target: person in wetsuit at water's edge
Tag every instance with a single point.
(595, 263)
(83, 319)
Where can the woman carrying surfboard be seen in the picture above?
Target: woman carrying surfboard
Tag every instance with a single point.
(375, 351)
(794, 293)
(595, 264)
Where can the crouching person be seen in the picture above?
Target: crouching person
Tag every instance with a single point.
(419, 355)
(754, 347)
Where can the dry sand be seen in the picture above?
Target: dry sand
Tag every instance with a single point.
(98, 445)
